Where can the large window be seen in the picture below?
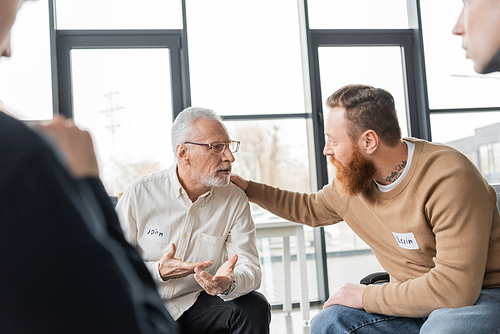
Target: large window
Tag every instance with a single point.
(124, 86)
(130, 122)
(252, 74)
(239, 67)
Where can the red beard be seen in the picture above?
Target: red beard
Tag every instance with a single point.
(356, 176)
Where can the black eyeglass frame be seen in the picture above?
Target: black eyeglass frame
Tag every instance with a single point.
(211, 145)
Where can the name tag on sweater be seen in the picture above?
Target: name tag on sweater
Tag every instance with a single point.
(157, 233)
(406, 240)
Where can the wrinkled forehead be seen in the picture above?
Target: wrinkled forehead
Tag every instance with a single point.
(208, 131)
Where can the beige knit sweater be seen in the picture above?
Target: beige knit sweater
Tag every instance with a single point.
(437, 233)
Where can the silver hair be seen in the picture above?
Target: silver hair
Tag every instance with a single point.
(182, 127)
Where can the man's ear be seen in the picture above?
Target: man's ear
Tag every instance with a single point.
(369, 141)
(182, 154)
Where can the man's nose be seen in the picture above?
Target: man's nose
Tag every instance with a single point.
(328, 150)
(228, 155)
(458, 29)
(6, 50)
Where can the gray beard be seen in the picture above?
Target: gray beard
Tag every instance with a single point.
(214, 181)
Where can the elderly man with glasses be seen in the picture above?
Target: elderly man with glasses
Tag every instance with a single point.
(195, 233)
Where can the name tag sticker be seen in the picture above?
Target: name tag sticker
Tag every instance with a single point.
(157, 233)
(406, 240)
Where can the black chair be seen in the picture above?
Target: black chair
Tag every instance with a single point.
(114, 200)
(378, 277)
(383, 277)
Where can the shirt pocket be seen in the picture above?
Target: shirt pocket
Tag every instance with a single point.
(211, 248)
(210, 240)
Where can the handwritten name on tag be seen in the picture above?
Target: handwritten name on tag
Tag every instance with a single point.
(406, 240)
(157, 233)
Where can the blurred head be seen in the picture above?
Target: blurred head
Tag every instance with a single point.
(479, 26)
(8, 12)
(195, 126)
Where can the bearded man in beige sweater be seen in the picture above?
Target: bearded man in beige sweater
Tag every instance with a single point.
(426, 211)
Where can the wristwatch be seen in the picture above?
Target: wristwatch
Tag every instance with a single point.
(230, 289)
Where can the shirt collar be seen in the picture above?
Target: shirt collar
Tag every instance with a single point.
(179, 190)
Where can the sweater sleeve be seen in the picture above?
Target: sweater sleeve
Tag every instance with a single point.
(459, 206)
(318, 209)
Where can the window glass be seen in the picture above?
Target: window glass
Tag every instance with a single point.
(380, 66)
(477, 135)
(118, 14)
(25, 79)
(357, 14)
(275, 152)
(451, 79)
(129, 121)
(238, 67)
(242, 61)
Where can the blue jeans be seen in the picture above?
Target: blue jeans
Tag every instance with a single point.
(483, 317)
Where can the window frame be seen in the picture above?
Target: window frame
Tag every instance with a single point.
(116, 39)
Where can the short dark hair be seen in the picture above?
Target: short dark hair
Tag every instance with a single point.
(368, 108)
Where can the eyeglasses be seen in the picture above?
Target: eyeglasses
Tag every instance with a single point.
(220, 147)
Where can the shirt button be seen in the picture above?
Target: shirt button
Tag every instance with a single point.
(185, 235)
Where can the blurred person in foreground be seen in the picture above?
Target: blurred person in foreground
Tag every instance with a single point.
(66, 267)
(427, 213)
(196, 234)
(479, 26)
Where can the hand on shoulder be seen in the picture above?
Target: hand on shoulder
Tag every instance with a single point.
(239, 181)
